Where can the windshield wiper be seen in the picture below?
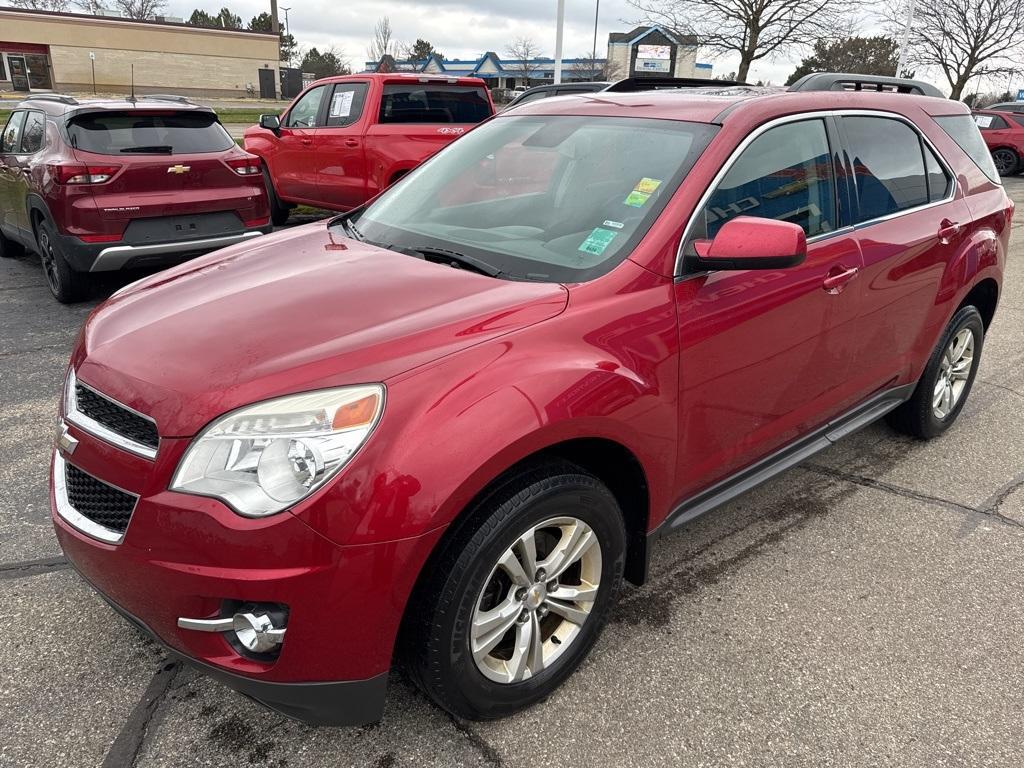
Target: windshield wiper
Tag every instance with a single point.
(455, 259)
(156, 149)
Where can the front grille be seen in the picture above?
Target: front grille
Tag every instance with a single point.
(101, 503)
(115, 418)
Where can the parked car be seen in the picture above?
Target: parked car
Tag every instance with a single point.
(107, 184)
(346, 138)
(562, 89)
(443, 428)
(1008, 106)
(1004, 135)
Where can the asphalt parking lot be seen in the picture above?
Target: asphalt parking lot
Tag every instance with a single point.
(864, 609)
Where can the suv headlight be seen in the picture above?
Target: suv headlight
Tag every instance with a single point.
(264, 458)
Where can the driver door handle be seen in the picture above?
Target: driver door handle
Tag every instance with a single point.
(838, 277)
(307, 141)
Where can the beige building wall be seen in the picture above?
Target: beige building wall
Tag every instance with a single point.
(179, 59)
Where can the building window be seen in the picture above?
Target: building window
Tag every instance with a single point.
(38, 71)
(3, 72)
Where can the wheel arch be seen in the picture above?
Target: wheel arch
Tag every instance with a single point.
(984, 295)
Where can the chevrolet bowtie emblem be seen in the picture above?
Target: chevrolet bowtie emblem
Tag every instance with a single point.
(66, 444)
(179, 169)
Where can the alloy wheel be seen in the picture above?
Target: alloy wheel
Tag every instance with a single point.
(1005, 161)
(954, 372)
(48, 259)
(536, 600)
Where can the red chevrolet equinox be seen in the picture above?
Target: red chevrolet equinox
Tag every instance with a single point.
(99, 185)
(439, 430)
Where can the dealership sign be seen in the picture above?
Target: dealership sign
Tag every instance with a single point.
(1020, 95)
(654, 58)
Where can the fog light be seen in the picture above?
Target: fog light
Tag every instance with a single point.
(257, 633)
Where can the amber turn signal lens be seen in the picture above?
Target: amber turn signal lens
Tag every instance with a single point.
(357, 414)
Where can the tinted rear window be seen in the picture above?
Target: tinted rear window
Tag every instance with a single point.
(113, 133)
(962, 130)
(427, 103)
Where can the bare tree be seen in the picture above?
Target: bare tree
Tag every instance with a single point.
(754, 29)
(133, 9)
(41, 5)
(522, 51)
(383, 42)
(586, 67)
(964, 39)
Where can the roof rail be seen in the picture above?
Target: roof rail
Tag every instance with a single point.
(631, 84)
(166, 97)
(58, 97)
(839, 81)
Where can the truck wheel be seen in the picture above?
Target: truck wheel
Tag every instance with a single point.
(947, 379)
(8, 248)
(520, 595)
(1006, 161)
(66, 285)
(278, 211)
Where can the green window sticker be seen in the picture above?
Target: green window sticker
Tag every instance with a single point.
(637, 199)
(597, 242)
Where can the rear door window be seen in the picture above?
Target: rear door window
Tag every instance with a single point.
(990, 122)
(148, 132)
(346, 105)
(940, 184)
(34, 133)
(963, 130)
(785, 174)
(11, 138)
(888, 165)
(431, 103)
(306, 112)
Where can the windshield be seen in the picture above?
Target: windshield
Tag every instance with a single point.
(550, 198)
(148, 132)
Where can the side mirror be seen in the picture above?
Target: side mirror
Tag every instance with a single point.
(270, 122)
(749, 242)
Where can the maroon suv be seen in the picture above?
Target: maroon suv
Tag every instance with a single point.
(101, 185)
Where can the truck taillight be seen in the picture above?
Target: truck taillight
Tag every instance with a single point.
(244, 166)
(83, 174)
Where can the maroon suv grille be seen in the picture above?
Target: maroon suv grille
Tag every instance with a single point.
(115, 418)
(94, 499)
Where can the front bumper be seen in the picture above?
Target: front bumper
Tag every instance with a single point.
(188, 556)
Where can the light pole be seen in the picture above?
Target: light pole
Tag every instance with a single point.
(905, 42)
(558, 42)
(593, 56)
(285, 18)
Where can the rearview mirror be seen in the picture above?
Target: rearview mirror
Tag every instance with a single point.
(749, 242)
(270, 122)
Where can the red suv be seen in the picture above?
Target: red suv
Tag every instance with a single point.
(1004, 135)
(448, 424)
(101, 185)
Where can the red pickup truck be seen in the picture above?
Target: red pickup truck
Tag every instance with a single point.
(346, 138)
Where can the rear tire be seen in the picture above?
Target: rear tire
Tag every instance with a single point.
(943, 388)
(1006, 161)
(474, 600)
(66, 285)
(278, 211)
(8, 248)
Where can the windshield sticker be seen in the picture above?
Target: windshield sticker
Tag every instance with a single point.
(341, 104)
(647, 186)
(637, 199)
(598, 241)
(612, 224)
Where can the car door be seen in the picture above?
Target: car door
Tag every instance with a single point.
(910, 221)
(340, 150)
(295, 164)
(12, 182)
(764, 354)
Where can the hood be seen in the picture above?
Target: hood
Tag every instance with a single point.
(294, 311)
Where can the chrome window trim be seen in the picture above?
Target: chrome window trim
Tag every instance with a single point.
(678, 271)
(72, 516)
(94, 428)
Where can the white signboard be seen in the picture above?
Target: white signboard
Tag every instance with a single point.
(983, 121)
(341, 104)
(654, 58)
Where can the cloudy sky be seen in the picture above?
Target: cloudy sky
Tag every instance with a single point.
(459, 29)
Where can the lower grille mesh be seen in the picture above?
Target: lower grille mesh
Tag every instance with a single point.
(97, 501)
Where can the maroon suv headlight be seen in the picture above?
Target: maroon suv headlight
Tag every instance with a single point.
(263, 458)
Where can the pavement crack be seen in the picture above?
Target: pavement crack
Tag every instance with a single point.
(993, 504)
(40, 348)
(988, 509)
(33, 567)
(1003, 387)
(128, 744)
(481, 744)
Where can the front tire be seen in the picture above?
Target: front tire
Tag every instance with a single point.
(279, 211)
(66, 285)
(520, 595)
(947, 379)
(1006, 161)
